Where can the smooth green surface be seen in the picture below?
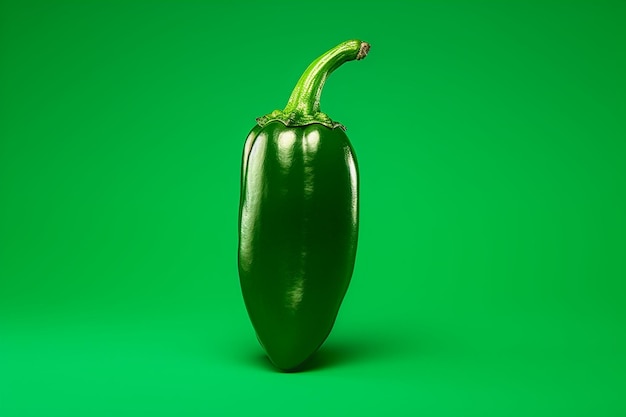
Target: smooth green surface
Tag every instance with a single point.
(490, 278)
(298, 235)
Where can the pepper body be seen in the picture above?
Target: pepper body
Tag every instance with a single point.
(298, 218)
(298, 235)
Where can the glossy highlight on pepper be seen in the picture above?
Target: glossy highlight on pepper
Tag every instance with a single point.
(299, 218)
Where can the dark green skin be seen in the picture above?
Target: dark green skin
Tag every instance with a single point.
(298, 229)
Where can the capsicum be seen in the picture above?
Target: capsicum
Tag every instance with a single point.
(299, 218)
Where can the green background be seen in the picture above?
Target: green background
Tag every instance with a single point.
(490, 277)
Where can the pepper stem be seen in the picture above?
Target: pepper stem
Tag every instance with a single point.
(303, 107)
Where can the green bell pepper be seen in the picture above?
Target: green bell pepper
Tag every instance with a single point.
(299, 218)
